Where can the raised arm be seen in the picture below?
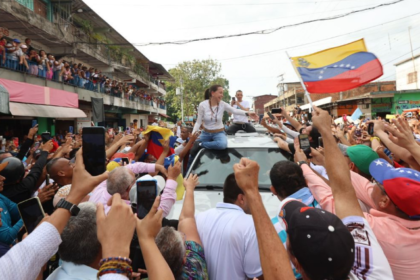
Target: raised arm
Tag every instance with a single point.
(292, 121)
(187, 223)
(275, 262)
(346, 203)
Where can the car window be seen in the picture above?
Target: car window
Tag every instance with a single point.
(214, 166)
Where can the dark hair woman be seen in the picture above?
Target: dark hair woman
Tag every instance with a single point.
(210, 115)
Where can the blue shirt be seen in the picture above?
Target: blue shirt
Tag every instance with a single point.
(306, 197)
(71, 271)
(11, 220)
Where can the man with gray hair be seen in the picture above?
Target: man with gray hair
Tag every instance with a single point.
(80, 249)
(121, 179)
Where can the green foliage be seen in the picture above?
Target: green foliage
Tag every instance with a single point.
(197, 76)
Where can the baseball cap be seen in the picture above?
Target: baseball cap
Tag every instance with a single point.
(362, 156)
(23, 47)
(160, 185)
(16, 41)
(3, 165)
(402, 185)
(343, 148)
(319, 240)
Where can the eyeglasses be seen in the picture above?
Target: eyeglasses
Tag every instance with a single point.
(379, 186)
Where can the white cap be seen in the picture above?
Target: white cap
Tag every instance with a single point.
(160, 186)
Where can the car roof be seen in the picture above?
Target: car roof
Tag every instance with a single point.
(251, 140)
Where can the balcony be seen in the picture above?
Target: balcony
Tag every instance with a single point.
(142, 102)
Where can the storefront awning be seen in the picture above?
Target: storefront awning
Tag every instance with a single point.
(34, 110)
(165, 116)
(320, 102)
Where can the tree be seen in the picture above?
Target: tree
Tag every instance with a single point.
(197, 76)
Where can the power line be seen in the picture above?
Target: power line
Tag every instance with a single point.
(261, 20)
(269, 31)
(231, 4)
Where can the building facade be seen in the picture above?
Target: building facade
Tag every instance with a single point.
(72, 32)
(259, 101)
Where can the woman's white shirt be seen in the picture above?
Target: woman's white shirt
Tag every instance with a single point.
(208, 118)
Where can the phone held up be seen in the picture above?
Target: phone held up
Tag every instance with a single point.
(31, 212)
(46, 136)
(94, 155)
(233, 98)
(305, 145)
(276, 111)
(271, 116)
(320, 142)
(371, 129)
(146, 195)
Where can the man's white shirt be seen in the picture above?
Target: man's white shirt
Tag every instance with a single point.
(239, 118)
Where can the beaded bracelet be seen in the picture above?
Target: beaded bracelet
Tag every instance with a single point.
(117, 265)
(122, 259)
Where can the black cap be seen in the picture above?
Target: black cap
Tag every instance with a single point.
(319, 240)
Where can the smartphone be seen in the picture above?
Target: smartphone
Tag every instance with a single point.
(34, 123)
(320, 142)
(127, 130)
(276, 111)
(31, 212)
(304, 142)
(146, 195)
(46, 136)
(305, 145)
(271, 116)
(93, 145)
(371, 129)
(358, 133)
(233, 98)
(125, 160)
(71, 129)
(341, 126)
(47, 180)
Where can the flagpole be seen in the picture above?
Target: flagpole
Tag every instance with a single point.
(301, 82)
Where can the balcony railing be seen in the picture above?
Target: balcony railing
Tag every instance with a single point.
(94, 85)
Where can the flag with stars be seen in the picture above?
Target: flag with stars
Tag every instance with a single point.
(338, 69)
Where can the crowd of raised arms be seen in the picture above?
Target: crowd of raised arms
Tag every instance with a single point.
(349, 203)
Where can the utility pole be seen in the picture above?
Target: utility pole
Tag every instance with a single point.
(412, 58)
(182, 101)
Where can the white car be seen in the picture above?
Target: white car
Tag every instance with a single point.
(214, 166)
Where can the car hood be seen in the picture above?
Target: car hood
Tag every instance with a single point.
(205, 200)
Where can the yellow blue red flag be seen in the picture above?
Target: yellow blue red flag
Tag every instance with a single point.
(338, 69)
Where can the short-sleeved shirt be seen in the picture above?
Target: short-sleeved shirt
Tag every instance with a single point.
(240, 118)
(370, 261)
(195, 266)
(230, 243)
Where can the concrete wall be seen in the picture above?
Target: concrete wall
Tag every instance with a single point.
(402, 72)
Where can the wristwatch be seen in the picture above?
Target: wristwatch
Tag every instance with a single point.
(302, 162)
(74, 210)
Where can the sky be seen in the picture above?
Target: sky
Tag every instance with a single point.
(254, 63)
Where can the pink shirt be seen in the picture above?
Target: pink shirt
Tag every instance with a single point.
(100, 193)
(399, 238)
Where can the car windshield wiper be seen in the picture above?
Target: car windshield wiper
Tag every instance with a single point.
(210, 187)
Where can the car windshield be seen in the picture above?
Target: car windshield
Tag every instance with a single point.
(214, 166)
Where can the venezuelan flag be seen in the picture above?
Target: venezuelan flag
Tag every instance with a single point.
(338, 69)
(156, 137)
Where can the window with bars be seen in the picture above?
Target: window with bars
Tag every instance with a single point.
(412, 77)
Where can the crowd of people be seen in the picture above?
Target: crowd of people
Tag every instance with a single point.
(348, 205)
(23, 57)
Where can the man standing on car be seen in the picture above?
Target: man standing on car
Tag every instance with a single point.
(240, 122)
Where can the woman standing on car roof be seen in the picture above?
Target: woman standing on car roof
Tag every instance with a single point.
(210, 115)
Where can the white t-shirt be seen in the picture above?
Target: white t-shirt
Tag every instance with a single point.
(179, 149)
(212, 118)
(230, 242)
(370, 261)
(241, 118)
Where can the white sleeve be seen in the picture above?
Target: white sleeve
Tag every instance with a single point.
(370, 261)
(289, 131)
(199, 118)
(31, 254)
(232, 110)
